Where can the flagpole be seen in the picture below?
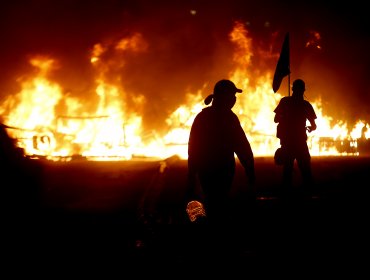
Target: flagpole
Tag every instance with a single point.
(289, 69)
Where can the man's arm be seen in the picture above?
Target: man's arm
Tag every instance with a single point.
(312, 126)
(244, 152)
(311, 116)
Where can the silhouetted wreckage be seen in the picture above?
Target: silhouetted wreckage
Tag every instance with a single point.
(44, 138)
(20, 183)
(360, 146)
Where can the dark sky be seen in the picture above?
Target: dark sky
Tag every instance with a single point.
(188, 49)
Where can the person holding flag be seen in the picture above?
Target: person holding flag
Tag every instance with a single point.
(292, 114)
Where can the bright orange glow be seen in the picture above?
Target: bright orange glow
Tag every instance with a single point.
(113, 132)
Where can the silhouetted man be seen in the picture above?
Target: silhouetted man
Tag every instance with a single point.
(215, 137)
(292, 114)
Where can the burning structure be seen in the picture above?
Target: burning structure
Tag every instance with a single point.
(49, 121)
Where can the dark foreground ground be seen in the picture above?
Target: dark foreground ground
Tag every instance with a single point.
(130, 216)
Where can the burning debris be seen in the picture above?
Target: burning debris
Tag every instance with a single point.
(48, 122)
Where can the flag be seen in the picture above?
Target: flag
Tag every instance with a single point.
(283, 65)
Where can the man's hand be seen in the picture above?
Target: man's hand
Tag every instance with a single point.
(310, 128)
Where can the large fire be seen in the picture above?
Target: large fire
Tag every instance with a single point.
(113, 132)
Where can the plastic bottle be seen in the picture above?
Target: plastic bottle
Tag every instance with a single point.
(195, 210)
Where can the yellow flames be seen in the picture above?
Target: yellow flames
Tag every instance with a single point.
(112, 133)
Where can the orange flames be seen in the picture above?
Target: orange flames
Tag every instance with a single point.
(112, 132)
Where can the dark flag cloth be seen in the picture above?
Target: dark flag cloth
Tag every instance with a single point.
(283, 65)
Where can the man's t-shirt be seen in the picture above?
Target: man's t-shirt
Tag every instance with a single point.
(293, 114)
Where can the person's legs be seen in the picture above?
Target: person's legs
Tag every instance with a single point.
(304, 165)
(287, 181)
(289, 156)
(216, 188)
(217, 202)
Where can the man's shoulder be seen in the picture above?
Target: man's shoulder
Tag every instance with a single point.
(307, 102)
(205, 111)
(285, 99)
